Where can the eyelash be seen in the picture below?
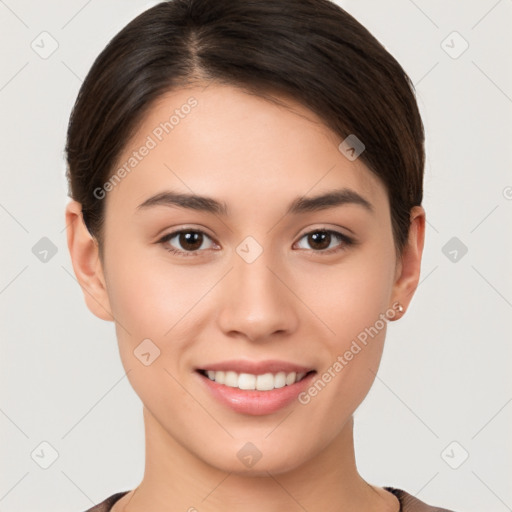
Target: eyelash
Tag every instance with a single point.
(347, 242)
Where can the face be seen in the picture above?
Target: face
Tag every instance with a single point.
(250, 287)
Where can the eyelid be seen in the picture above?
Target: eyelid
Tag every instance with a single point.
(335, 229)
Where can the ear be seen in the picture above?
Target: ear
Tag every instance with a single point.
(84, 252)
(408, 268)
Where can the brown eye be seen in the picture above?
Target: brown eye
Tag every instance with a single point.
(320, 240)
(189, 242)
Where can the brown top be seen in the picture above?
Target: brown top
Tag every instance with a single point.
(408, 503)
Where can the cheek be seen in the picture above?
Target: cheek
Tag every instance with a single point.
(149, 295)
(355, 296)
(354, 303)
(153, 299)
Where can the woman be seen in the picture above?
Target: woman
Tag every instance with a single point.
(246, 183)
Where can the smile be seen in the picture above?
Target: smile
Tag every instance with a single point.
(255, 387)
(249, 381)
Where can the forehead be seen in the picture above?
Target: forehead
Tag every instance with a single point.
(239, 147)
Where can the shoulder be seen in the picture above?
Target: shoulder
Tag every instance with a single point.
(108, 503)
(409, 503)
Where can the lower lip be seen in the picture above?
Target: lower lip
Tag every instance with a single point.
(253, 402)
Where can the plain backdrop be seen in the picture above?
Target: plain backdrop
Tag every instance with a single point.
(437, 421)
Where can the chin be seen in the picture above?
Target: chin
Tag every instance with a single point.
(248, 460)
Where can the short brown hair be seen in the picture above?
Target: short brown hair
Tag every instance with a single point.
(310, 50)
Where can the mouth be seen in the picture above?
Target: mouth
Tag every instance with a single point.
(251, 382)
(255, 388)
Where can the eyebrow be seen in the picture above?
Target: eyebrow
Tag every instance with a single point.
(330, 199)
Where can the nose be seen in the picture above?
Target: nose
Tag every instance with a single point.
(257, 301)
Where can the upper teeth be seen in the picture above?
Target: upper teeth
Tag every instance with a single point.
(264, 382)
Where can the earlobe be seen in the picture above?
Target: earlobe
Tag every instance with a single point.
(410, 265)
(83, 249)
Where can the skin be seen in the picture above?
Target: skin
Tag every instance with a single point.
(292, 303)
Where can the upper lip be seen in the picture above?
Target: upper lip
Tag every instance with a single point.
(256, 367)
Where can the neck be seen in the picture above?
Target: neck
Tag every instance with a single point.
(175, 479)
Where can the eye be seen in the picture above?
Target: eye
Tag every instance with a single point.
(191, 240)
(321, 240)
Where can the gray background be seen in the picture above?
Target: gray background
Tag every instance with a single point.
(444, 387)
